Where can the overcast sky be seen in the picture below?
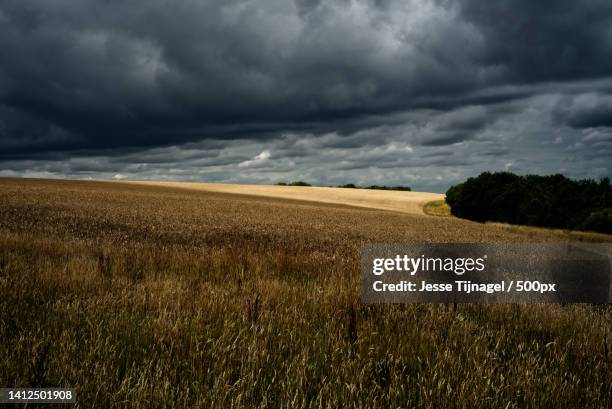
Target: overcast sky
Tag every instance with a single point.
(414, 92)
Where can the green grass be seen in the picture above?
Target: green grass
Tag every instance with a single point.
(437, 208)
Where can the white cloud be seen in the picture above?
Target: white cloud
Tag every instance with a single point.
(261, 158)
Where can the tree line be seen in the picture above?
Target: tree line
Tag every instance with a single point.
(547, 201)
(350, 186)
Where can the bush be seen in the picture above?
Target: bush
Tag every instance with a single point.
(599, 220)
(299, 183)
(296, 183)
(376, 187)
(402, 188)
(549, 201)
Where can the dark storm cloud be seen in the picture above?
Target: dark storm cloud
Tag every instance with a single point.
(588, 110)
(168, 87)
(544, 40)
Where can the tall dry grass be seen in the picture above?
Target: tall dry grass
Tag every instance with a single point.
(148, 297)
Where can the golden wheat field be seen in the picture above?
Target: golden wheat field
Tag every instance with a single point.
(168, 296)
(405, 202)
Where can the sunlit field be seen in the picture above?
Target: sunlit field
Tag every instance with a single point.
(399, 201)
(146, 296)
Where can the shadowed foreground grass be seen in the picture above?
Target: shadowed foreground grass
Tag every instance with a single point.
(155, 298)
